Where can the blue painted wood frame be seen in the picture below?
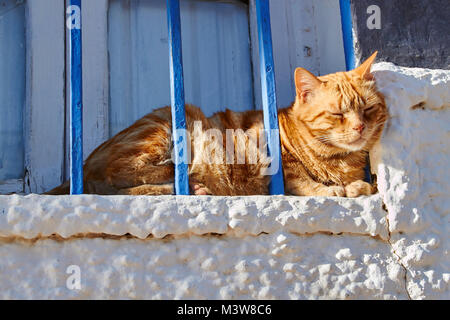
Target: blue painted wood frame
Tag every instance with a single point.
(177, 98)
(269, 99)
(350, 61)
(347, 33)
(76, 100)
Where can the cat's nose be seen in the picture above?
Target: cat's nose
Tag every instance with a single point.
(360, 128)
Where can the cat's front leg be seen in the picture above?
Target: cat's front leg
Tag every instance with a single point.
(329, 191)
(312, 188)
(358, 188)
(199, 189)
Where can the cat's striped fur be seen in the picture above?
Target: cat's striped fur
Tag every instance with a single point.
(325, 136)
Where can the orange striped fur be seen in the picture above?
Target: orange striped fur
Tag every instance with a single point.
(325, 136)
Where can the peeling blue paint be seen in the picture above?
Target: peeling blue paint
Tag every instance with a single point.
(269, 100)
(76, 107)
(347, 33)
(177, 98)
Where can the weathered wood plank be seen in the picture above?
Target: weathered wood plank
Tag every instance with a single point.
(294, 42)
(95, 74)
(12, 89)
(329, 36)
(301, 38)
(95, 78)
(11, 186)
(216, 54)
(44, 119)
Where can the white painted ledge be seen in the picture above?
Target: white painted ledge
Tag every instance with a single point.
(393, 245)
(36, 216)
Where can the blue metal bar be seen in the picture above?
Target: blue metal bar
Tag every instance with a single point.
(76, 100)
(347, 34)
(350, 61)
(269, 99)
(177, 98)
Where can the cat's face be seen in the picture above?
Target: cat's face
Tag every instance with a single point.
(343, 109)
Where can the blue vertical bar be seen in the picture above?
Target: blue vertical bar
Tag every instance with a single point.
(76, 99)
(177, 98)
(269, 99)
(347, 33)
(350, 61)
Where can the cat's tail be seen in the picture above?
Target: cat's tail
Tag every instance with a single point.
(62, 189)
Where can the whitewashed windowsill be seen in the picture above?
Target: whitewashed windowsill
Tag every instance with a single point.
(393, 245)
(38, 216)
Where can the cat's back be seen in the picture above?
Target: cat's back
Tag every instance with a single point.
(146, 140)
(150, 135)
(244, 120)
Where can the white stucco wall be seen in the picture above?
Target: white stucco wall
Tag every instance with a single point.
(393, 245)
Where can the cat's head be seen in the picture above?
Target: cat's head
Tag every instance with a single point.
(344, 109)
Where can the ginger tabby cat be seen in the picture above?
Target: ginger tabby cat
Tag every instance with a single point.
(325, 136)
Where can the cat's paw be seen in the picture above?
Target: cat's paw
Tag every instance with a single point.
(332, 191)
(201, 190)
(358, 188)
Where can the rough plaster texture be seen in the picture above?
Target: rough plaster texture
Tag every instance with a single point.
(393, 245)
(412, 164)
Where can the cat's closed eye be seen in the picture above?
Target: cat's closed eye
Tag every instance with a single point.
(370, 109)
(337, 114)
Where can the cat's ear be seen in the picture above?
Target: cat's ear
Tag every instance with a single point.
(364, 69)
(305, 82)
